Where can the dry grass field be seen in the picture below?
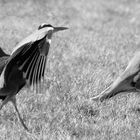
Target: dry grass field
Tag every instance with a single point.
(103, 36)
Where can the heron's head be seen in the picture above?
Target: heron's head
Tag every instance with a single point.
(45, 25)
(51, 29)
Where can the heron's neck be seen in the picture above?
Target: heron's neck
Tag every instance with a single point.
(48, 40)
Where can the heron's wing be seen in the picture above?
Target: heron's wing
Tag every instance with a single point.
(35, 36)
(30, 59)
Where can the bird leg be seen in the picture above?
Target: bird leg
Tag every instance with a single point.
(13, 100)
(5, 102)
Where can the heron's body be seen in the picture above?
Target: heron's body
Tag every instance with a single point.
(26, 64)
(128, 81)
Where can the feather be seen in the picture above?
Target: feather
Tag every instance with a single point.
(35, 36)
(29, 60)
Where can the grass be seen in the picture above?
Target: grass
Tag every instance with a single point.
(102, 37)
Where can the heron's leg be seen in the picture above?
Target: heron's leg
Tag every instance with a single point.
(13, 100)
(5, 102)
(9, 93)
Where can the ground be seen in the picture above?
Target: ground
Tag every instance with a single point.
(103, 36)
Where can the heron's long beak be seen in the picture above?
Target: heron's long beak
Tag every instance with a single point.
(56, 29)
(119, 85)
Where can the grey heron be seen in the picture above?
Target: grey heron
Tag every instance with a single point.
(26, 64)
